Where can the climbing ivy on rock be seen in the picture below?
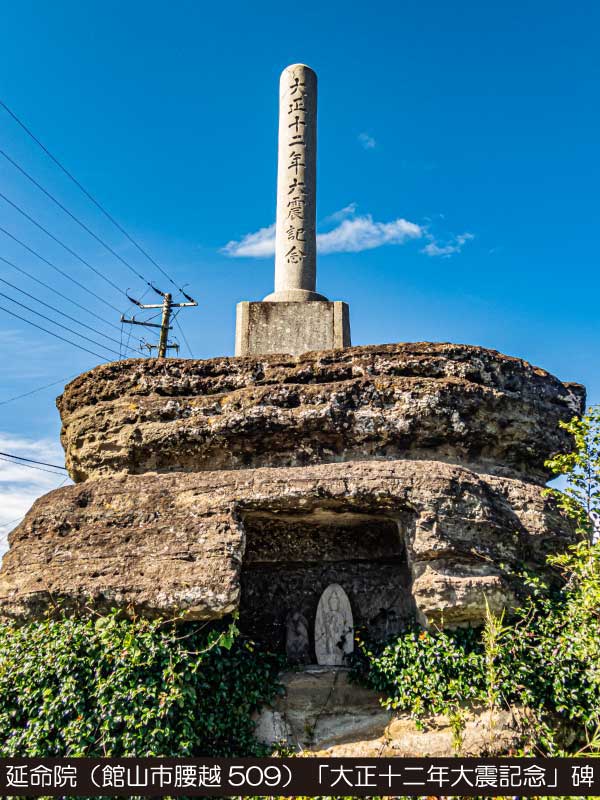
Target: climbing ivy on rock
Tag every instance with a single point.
(546, 657)
(113, 687)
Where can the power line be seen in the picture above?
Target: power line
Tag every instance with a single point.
(30, 466)
(10, 522)
(60, 271)
(187, 344)
(73, 217)
(52, 289)
(61, 243)
(62, 313)
(60, 325)
(90, 196)
(56, 335)
(39, 389)
(32, 461)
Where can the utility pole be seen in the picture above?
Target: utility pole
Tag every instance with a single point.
(166, 307)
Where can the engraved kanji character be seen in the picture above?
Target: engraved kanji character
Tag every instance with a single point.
(296, 185)
(296, 124)
(296, 161)
(300, 235)
(294, 256)
(297, 104)
(297, 86)
(296, 209)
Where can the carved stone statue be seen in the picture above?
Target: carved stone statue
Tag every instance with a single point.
(297, 645)
(334, 627)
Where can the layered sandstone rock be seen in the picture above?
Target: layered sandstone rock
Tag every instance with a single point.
(454, 403)
(411, 474)
(165, 543)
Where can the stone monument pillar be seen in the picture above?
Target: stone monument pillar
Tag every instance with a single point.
(294, 318)
(296, 236)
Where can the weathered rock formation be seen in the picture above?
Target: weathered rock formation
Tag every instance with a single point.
(410, 474)
(446, 402)
(323, 713)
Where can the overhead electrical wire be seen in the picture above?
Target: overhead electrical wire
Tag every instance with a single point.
(75, 254)
(59, 270)
(62, 313)
(60, 294)
(187, 344)
(61, 243)
(76, 219)
(39, 389)
(12, 521)
(32, 461)
(30, 466)
(60, 325)
(91, 197)
(56, 335)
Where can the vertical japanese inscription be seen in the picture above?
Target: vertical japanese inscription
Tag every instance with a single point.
(295, 257)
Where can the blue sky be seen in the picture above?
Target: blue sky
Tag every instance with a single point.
(458, 168)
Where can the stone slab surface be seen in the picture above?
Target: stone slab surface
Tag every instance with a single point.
(323, 713)
(291, 327)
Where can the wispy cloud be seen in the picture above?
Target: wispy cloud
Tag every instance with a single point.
(449, 248)
(253, 245)
(20, 485)
(354, 233)
(367, 141)
(350, 236)
(343, 213)
(363, 233)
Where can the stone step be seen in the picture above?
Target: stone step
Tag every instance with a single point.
(323, 713)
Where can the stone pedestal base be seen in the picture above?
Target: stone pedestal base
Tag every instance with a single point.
(291, 327)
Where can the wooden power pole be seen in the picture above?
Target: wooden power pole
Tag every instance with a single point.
(166, 306)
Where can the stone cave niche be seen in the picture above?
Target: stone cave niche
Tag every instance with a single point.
(291, 558)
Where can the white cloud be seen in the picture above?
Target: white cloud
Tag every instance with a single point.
(367, 141)
(343, 213)
(363, 233)
(450, 248)
(350, 236)
(253, 245)
(20, 485)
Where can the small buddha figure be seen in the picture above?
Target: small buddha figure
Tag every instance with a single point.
(334, 627)
(297, 646)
